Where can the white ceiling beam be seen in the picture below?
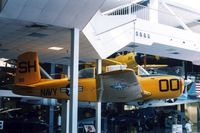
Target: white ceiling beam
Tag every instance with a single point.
(178, 19)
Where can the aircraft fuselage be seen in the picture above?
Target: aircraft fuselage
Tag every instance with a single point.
(161, 87)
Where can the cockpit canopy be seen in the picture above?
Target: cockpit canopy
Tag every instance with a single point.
(87, 73)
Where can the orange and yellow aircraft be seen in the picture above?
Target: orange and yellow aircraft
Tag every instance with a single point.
(111, 86)
(130, 60)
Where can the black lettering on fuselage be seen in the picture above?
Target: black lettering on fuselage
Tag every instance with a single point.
(26, 66)
(22, 67)
(169, 85)
(48, 92)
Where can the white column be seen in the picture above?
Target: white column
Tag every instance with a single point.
(50, 102)
(51, 118)
(65, 117)
(65, 107)
(74, 80)
(51, 107)
(98, 104)
(153, 11)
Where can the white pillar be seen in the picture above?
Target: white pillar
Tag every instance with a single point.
(74, 80)
(51, 118)
(65, 107)
(50, 101)
(153, 11)
(65, 117)
(98, 104)
(51, 107)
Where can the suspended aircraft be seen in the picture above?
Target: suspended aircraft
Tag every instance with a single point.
(188, 96)
(111, 86)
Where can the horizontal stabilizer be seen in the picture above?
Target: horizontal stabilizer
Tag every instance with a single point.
(118, 86)
(108, 62)
(24, 86)
(23, 89)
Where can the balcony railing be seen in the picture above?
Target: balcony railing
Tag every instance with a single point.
(165, 16)
(139, 11)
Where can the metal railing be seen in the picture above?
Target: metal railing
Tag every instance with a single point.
(143, 12)
(139, 11)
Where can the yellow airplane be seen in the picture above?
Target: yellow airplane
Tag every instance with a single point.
(114, 86)
(129, 59)
(126, 59)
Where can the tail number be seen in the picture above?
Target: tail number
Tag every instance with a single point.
(166, 85)
(26, 66)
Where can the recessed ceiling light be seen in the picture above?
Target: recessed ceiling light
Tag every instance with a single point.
(55, 48)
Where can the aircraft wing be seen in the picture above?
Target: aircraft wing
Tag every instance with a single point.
(118, 86)
(154, 66)
(23, 89)
(108, 62)
(24, 86)
(161, 103)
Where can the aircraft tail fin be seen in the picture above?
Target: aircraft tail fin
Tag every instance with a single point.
(28, 69)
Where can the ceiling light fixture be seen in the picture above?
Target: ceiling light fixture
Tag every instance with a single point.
(55, 48)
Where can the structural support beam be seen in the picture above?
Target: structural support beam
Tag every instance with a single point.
(45, 73)
(185, 67)
(51, 119)
(177, 18)
(184, 64)
(98, 104)
(65, 107)
(50, 101)
(74, 80)
(65, 117)
(51, 107)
